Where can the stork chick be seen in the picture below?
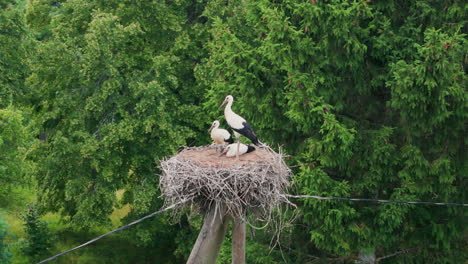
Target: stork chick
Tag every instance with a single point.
(238, 124)
(220, 136)
(237, 149)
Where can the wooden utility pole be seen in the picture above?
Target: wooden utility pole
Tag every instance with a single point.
(238, 241)
(210, 238)
(225, 188)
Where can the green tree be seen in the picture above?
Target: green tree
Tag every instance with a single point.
(15, 134)
(369, 98)
(38, 237)
(115, 97)
(12, 53)
(15, 142)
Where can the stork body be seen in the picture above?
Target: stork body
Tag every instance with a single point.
(237, 123)
(231, 149)
(220, 136)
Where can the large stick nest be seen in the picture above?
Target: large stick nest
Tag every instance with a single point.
(256, 182)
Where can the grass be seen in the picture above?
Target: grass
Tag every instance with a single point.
(15, 223)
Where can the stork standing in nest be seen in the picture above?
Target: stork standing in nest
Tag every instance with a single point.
(238, 124)
(220, 136)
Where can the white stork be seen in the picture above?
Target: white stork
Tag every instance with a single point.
(238, 124)
(219, 135)
(237, 149)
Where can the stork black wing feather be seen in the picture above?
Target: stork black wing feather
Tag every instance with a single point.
(230, 140)
(248, 132)
(250, 148)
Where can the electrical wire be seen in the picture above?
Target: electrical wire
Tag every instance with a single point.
(287, 195)
(113, 231)
(373, 200)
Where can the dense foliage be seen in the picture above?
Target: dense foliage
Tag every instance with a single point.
(13, 40)
(15, 141)
(38, 238)
(111, 103)
(368, 97)
(371, 103)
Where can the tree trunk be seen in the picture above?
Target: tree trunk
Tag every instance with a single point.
(238, 241)
(210, 238)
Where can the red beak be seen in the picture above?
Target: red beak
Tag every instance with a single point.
(223, 103)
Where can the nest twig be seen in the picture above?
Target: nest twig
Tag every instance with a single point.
(257, 182)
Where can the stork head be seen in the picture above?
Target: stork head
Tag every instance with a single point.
(227, 148)
(214, 125)
(228, 99)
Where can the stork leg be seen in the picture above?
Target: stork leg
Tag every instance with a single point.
(238, 145)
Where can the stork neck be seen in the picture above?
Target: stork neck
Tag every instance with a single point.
(228, 107)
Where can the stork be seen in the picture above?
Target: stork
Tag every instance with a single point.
(238, 124)
(219, 135)
(237, 149)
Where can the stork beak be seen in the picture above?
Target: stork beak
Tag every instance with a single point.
(225, 150)
(223, 103)
(211, 128)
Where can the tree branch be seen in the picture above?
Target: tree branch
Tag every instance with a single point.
(393, 254)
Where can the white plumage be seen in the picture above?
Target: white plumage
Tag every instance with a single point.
(231, 149)
(237, 123)
(234, 120)
(219, 135)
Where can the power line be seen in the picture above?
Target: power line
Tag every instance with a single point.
(373, 200)
(287, 195)
(113, 231)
